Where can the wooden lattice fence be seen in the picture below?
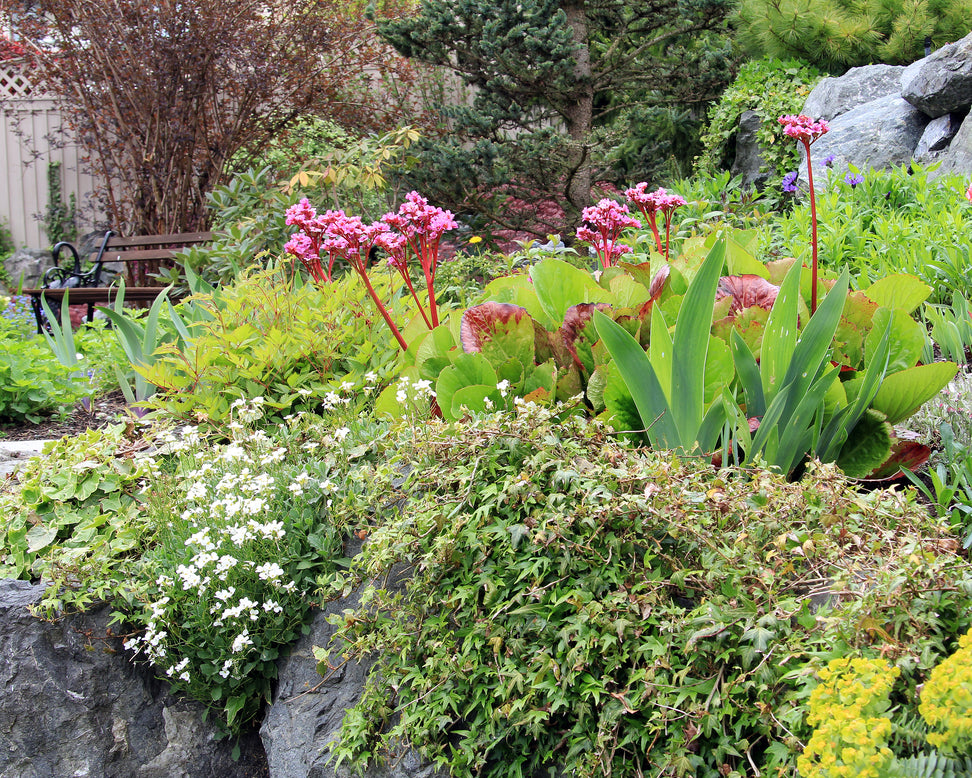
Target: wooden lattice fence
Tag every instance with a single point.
(31, 139)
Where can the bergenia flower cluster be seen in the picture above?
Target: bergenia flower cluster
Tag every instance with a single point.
(603, 225)
(805, 130)
(968, 193)
(421, 227)
(307, 244)
(416, 229)
(653, 203)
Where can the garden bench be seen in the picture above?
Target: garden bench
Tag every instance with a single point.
(139, 257)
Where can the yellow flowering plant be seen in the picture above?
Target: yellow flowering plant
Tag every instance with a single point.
(849, 711)
(946, 701)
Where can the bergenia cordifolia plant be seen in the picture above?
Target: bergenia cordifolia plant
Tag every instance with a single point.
(650, 204)
(345, 237)
(421, 226)
(805, 130)
(602, 228)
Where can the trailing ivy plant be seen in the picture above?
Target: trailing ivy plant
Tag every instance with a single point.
(577, 602)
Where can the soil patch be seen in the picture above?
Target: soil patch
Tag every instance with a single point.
(102, 411)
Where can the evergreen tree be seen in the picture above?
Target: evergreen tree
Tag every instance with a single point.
(545, 79)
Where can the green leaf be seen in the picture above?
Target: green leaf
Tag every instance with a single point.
(691, 344)
(559, 286)
(867, 446)
(39, 537)
(636, 371)
(899, 291)
(780, 336)
(905, 392)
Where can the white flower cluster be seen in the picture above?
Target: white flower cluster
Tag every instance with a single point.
(227, 499)
(412, 391)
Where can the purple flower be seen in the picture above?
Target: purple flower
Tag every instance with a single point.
(789, 181)
(829, 160)
(853, 179)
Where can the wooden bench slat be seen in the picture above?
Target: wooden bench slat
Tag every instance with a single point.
(136, 255)
(175, 239)
(82, 295)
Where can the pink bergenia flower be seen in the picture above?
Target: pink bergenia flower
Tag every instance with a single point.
(650, 204)
(803, 128)
(422, 226)
(604, 223)
(968, 193)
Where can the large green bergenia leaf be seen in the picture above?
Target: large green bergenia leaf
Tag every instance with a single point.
(560, 285)
(905, 392)
(466, 370)
(907, 339)
(868, 447)
(900, 291)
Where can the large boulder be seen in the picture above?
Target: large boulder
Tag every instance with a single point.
(832, 97)
(75, 705)
(25, 267)
(749, 160)
(941, 82)
(880, 134)
(302, 723)
(958, 158)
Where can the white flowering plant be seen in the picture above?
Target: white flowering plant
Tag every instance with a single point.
(246, 526)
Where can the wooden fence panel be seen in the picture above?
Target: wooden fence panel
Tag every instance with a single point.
(30, 139)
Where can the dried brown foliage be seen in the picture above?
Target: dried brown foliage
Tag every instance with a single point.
(163, 94)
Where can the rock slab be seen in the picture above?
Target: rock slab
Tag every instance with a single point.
(941, 82)
(74, 705)
(833, 96)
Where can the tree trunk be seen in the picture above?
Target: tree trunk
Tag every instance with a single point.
(578, 117)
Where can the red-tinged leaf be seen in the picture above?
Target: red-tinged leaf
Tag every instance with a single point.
(574, 329)
(904, 453)
(658, 282)
(480, 321)
(746, 291)
(655, 288)
(640, 273)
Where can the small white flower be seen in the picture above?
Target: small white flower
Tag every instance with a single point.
(227, 667)
(242, 641)
(503, 387)
(270, 571)
(346, 386)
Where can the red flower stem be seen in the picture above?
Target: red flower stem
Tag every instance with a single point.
(668, 225)
(430, 286)
(654, 229)
(359, 266)
(813, 232)
(408, 283)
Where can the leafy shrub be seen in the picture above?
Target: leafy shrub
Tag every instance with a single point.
(896, 221)
(77, 519)
(269, 335)
(836, 36)
(33, 384)
(771, 88)
(577, 602)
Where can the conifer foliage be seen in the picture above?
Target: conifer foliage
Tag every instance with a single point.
(545, 78)
(839, 34)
